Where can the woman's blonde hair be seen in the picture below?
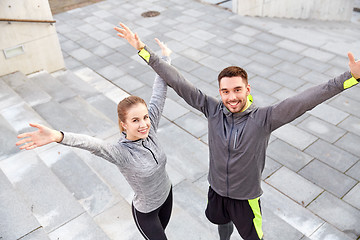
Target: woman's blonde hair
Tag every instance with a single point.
(124, 105)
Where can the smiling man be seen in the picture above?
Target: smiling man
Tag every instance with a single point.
(238, 135)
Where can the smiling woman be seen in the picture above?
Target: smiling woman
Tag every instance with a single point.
(137, 154)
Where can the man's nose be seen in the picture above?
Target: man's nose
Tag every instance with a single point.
(232, 96)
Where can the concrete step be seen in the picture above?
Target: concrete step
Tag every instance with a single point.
(92, 193)
(79, 86)
(30, 92)
(17, 219)
(8, 96)
(298, 217)
(88, 92)
(52, 204)
(57, 90)
(7, 140)
(95, 121)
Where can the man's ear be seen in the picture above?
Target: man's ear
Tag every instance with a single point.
(248, 88)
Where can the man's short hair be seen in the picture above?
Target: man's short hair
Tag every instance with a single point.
(233, 71)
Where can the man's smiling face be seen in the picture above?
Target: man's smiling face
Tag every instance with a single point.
(234, 92)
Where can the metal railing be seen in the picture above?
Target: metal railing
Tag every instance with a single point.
(9, 20)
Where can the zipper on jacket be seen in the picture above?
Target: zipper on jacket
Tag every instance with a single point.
(150, 151)
(236, 133)
(227, 164)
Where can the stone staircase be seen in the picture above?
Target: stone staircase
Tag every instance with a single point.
(60, 193)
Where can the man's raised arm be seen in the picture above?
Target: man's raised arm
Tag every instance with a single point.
(193, 96)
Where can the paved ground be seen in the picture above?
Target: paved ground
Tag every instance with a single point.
(311, 179)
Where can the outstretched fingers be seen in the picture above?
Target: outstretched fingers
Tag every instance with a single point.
(354, 65)
(351, 58)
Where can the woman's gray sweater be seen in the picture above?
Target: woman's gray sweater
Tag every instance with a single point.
(142, 162)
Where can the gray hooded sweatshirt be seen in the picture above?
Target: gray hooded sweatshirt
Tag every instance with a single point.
(142, 162)
(238, 141)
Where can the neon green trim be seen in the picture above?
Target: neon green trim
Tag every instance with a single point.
(350, 82)
(255, 207)
(145, 55)
(249, 102)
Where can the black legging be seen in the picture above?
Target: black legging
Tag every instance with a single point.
(152, 225)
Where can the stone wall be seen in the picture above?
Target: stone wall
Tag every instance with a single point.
(337, 10)
(25, 46)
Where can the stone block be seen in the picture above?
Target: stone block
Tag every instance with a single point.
(295, 186)
(330, 114)
(264, 85)
(314, 77)
(346, 104)
(295, 136)
(96, 122)
(349, 143)
(20, 115)
(104, 105)
(81, 227)
(128, 83)
(8, 139)
(95, 62)
(276, 228)
(338, 213)
(111, 72)
(286, 55)
(351, 124)
(266, 59)
(271, 166)
(263, 46)
(185, 64)
(92, 193)
(314, 64)
(331, 155)
(319, 55)
(259, 69)
(184, 151)
(15, 212)
(117, 222)
(294, 214)
(291, 45)
(8, 96)
(353, 197)
(322, 129)
(354, 171)
(327, 231)
(50, 202)
(58, 91)
(194, 124)
(202, 34)
(60, 118)
(79, 86)
(328, 178)
(173, 110)
(206, 74)
(292, 69)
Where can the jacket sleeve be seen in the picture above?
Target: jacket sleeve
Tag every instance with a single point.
(186, 90)
(96, 146)
(157, 100)
(293, 107)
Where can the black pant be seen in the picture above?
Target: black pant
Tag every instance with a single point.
(245, 214)
(152, 225)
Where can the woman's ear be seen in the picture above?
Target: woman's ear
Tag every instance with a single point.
(122, 125)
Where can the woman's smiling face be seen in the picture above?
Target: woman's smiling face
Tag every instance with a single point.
(137, 123)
